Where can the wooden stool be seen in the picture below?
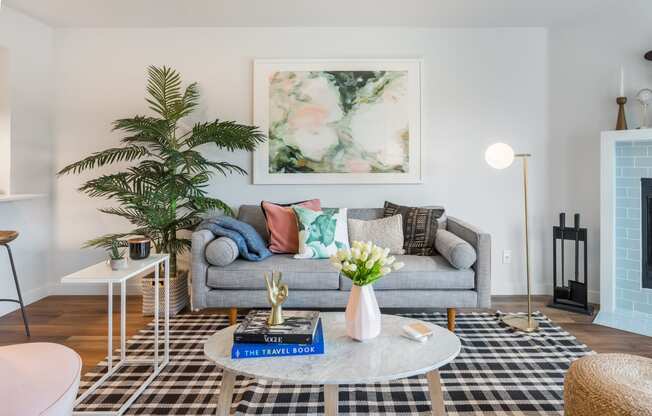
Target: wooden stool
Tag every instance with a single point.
(7, 237)
(609, 385)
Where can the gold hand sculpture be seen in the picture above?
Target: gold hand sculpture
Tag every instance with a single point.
(277, 293)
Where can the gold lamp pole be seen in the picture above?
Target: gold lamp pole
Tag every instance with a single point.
(501, 156)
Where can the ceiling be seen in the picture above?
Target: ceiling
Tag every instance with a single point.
(204, 13)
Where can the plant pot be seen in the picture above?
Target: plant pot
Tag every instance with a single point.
(362, 314)
(118, 264)
(139, 248)
(179, 297)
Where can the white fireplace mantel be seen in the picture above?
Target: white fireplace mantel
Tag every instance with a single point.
(609, 314)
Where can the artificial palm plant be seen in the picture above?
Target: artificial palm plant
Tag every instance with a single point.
(163, 191)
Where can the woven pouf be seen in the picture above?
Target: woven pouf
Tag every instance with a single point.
(609, 385)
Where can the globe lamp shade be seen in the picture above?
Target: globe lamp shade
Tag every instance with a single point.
(499, 156)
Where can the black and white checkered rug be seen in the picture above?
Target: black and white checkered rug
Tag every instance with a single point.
(498, 372)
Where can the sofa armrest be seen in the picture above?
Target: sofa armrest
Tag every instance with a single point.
(481, 241)
(199, 267)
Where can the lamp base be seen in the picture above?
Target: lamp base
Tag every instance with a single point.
(521, 323)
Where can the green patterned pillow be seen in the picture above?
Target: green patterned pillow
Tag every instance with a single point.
(321, 233)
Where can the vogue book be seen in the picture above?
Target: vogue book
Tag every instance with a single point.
(299, 328)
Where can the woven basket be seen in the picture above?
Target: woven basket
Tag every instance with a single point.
(178, 294)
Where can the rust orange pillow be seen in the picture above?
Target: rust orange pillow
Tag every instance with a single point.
(282, 224)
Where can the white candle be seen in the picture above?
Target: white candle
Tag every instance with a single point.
(622, 82)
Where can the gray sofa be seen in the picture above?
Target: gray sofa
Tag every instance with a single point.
(424, 282)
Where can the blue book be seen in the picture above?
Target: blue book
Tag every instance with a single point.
(239, 351)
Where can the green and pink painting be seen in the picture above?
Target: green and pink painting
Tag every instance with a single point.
(339, 122)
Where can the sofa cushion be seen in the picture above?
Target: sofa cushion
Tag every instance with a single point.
(253, 215)
(366, 214)
(422, 273)
(419, 227)
(383, 232)
(321, 233)
(222, 251)
(458, 252)
(298, 274)
(282, 224)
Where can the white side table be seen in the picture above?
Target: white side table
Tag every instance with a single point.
(102, 273)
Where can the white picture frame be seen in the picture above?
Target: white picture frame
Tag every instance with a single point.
(264, 69)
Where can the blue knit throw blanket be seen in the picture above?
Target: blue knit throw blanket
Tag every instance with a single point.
(250, 244)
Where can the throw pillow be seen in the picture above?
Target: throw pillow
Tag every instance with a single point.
(282, 224)
(383, 232)
(221, 251)
(458, 252)
(321, 233)
(419, 227)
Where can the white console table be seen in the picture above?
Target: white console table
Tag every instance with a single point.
(102, 273)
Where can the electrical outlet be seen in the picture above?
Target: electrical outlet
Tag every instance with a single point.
(507, 256)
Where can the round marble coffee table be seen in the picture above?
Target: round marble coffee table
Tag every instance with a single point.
(390, 356)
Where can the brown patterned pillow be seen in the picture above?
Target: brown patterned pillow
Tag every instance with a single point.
(419, 227)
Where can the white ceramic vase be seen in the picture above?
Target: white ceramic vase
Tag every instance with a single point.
(362, 314)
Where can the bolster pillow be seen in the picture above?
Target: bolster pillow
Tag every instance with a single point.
(221, 251)
(458, 252)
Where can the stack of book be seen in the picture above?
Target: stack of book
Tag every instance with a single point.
(300, 334)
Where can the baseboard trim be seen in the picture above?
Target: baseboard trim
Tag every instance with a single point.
(29, 297)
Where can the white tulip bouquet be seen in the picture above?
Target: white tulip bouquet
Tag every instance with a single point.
(364, 263)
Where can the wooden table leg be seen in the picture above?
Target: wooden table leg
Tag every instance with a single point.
(436, 394)
(331, 399)
(233, 316)
(226, 394)
(450, 314)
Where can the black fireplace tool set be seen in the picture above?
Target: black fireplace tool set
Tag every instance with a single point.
(571, 295)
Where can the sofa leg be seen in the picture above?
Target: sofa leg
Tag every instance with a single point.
(233, 316)
(451, 319)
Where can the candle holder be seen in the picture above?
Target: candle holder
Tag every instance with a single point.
(621, 123)
(644, 98)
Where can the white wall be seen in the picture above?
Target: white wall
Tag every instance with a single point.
(30, 48)
(5, 123)
(585, 60)
(479, 86)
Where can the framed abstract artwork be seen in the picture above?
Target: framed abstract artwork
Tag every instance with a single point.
(338, 121)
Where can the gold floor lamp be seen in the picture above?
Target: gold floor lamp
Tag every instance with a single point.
(501, 156)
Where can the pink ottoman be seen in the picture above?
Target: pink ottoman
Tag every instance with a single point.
(38, 379)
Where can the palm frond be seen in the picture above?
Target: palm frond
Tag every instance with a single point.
(225, 168)
(194, 162)
(188, 102)
(107, 157)
(227, 135)
(147, 130)
(107, 186)
(132, 215)
(164, 88)
(105, 240)
(180, 245)
(204, 204)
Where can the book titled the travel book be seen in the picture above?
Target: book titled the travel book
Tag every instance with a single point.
(299, 328)
(240, 351)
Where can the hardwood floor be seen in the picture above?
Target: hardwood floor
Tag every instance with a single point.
(80, 322)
